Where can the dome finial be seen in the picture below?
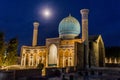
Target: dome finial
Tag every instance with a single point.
(69, 14)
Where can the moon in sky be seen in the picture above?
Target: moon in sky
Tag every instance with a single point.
(46, 13)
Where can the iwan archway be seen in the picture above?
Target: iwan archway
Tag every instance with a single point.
(52, 57)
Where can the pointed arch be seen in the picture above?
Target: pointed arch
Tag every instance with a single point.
(52, 57)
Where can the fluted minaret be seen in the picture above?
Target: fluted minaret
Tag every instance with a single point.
(35, 33)
(84, 13)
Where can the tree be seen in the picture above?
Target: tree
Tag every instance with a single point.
(11, 57)
(8, 51)
(113, 51)
(2, 48)
(40, 66)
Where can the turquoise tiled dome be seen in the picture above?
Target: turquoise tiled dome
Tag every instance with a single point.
(69, 27)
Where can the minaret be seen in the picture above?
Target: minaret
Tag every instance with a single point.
(35, 33)
(84, 13)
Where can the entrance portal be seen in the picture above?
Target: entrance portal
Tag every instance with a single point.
(52, 57)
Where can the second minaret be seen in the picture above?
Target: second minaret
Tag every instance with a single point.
(84, 13)
(35, 33)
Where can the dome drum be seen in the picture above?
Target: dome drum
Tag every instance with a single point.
(68, 36)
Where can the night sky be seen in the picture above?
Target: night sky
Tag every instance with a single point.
(17, 17)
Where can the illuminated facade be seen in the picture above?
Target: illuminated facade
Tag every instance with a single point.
(66, 50)
(57, 52)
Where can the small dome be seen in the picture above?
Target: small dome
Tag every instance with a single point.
(69, 28)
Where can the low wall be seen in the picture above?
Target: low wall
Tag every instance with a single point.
(6, 75)
(17, 74)
(112, 65)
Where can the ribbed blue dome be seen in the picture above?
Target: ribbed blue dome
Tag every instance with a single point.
(69, 27)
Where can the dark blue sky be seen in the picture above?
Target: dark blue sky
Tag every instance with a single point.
(17, 17)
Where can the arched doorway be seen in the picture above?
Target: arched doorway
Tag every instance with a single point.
(52, 56)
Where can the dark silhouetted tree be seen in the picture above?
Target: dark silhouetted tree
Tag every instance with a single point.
(2, 48)
(12, 52)
(113, 51)
(40, 66)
